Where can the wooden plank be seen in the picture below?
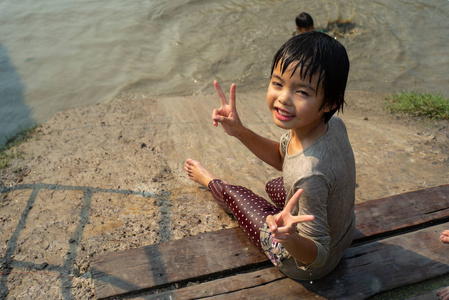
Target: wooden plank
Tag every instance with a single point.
(363, 272)
(226, 250)
(157, 265)
(219, 286)
(390, 263)
(401, 211)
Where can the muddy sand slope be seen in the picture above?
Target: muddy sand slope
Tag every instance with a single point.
(110, 177)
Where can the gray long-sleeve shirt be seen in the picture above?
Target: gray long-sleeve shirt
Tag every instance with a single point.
(326, 173)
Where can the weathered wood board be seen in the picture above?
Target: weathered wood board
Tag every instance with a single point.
(385, 215)
(227, 251)
(364, 271)
(174, 261)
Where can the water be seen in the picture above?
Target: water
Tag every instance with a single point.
(60, 54)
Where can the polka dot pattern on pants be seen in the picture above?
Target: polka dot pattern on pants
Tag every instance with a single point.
(276, 191)
(249, 209)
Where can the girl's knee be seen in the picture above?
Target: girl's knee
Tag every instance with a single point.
(275, 183)
(276, 191)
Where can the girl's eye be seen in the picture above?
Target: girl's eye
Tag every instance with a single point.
(276, 83)
(303, 93)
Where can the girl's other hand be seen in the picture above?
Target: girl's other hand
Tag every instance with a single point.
(283, 225)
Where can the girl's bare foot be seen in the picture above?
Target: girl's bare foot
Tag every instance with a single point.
(443, 293)
(444, 237)
(198, 173)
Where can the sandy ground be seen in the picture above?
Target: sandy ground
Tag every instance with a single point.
(110, 177)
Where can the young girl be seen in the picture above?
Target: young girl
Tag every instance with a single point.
(311, 223)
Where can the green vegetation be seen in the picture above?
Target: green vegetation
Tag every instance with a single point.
(419, 104)
(7, 154)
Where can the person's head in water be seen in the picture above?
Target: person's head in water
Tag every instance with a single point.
(317, 57)
(304, 23)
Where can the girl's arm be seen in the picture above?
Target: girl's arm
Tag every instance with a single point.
(265, 149)
(303, 249)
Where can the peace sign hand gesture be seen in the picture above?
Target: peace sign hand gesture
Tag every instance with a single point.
(226, 115)
(283, 225)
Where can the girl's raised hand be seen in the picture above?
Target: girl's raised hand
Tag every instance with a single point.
(283, 225)
(226, 115)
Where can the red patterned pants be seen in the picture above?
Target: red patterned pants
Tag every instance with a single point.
(249, 209)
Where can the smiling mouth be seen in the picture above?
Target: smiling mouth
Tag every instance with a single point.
(283, 113)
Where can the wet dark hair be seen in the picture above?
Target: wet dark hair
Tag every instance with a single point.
(304, 20)
(317, 53)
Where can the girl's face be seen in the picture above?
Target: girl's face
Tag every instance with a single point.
(295, 102)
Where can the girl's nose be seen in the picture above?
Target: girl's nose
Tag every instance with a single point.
(284, 98)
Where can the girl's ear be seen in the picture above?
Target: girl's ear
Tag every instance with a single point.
(328, 108)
